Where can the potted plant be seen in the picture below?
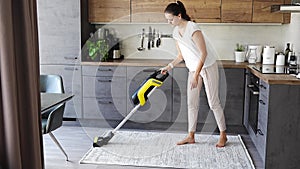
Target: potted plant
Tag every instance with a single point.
(240, 53)
(98, 50)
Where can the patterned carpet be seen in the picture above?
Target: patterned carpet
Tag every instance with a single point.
(154, 149)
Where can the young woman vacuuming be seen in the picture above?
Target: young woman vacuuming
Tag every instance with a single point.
(202, 67)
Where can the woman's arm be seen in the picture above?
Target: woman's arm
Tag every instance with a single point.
(200, 43)
(177, 60)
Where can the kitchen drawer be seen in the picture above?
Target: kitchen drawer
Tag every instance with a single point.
(104, 108)
(104, 86)
(264, 88)
(104, 71)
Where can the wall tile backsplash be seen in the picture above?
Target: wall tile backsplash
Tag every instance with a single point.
(222, 37)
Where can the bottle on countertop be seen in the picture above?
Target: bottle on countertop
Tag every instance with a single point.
(286, 53)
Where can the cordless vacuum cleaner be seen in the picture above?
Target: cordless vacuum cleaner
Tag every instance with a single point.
(139, 99)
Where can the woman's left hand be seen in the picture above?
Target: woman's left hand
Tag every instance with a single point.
(194, 82)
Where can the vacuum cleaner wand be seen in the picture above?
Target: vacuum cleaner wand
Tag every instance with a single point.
(147, 87)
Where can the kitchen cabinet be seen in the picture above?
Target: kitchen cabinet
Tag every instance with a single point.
(159, 106)
(231, 91)
(149, 11)
(277, 135)
(262, 14)
(59, 31)
(59, 47)
(179, 94)
(104, 92)
(232, 94)
(109, 11)
(239, 11)
(203, 11)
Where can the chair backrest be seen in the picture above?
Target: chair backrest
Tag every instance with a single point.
(51, 84)
(53, 117)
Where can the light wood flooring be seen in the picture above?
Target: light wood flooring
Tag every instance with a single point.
(77, 140)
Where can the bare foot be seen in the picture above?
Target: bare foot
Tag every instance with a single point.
(187, 140)
(222, 142)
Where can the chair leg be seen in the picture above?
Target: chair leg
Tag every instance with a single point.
(57, 143)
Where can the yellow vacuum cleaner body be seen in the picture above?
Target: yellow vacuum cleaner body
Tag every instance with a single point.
(154, 80)
(144, 90)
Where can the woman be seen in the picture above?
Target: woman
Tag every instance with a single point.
(202, 68)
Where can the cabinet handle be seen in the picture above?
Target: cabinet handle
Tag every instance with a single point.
(105, 81)
(71, 58)
(70, 68)
(262, 102)
(106, 70)
(262, 86)
(260, 132)
(104, 102)
(254, 92)
(250, 86)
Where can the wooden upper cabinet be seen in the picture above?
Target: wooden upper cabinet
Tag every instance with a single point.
(200, 11)
(236, 11)
(203, 11)
(262, 12)
(109, 11)
(149, 10)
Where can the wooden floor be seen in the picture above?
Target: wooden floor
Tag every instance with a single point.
(77, 140)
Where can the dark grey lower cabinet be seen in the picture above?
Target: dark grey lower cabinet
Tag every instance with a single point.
(72, 83)
(277, 135)
(110, 88)
(282, 135)
(231, 92)
(104, 92)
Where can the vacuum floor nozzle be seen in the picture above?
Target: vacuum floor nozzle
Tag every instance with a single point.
(102, 140)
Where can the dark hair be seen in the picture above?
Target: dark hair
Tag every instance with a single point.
(176, 9)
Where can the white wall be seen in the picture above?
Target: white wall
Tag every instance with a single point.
(293, 33)
(223, 37)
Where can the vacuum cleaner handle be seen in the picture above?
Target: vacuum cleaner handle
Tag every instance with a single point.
(159, 76)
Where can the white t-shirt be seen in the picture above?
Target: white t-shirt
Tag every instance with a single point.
(190, 52)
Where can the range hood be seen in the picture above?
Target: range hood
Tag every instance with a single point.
(286, 8)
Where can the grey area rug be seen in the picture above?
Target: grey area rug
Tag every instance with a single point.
(154, 149)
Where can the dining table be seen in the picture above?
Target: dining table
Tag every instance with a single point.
(49, 100)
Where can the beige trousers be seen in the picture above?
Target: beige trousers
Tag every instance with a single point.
(210, 78)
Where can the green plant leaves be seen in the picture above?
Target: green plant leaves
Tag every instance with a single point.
(240, 48)
(98, 48)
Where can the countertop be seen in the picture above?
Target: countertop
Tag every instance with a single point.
(158, 63)
(269, 78)
(282, 79)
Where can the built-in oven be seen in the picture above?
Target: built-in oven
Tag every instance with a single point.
(253, 89)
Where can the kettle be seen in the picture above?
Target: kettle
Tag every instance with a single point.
(258, 51)
(116, 54)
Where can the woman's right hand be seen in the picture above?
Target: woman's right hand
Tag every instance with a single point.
(164, 70)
